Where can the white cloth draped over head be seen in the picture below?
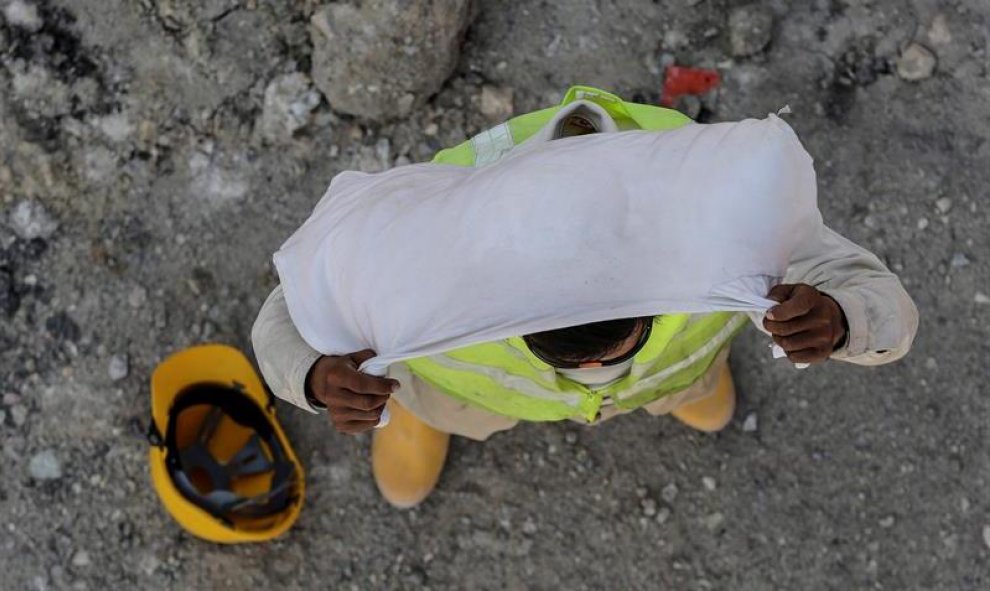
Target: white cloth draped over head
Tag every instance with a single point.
(427, 258)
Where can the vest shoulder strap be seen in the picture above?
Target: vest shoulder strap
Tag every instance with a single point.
(489, 145)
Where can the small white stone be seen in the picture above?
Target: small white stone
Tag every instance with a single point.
(149, 563)
(19, 414)
(922, 223)
(931, 364)
(81, 558)
(383, 150)
(959, 260)
(663, 515)
(649, 507)
(709, 482)
(431, 129)
(943, 204)
(938, 33)
(887, 521)
(137, 297)
(31, 220)
(751, 423)
(917, 62)
(496, 103)
(669, 493)
(529, 526)
(714, 520)
(750, 30)
(45, 466)
(405, 103)
(981, 298)
(118, 367)
(675, 39)
(289, 101)
(117, 127)
(24, 15)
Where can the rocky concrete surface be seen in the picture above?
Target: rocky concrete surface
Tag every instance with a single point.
(154, 153)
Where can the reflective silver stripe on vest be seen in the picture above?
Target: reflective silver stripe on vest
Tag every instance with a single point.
(510, 381)
(717, 341)
(550, 375)
(528, 387)
(640, 368)
(491, 144)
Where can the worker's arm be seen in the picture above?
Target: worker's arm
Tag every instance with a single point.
(283, 356)
(299, 374)
(881, 318)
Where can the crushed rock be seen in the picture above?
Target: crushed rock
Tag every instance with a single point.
(119, 367)
(750, 30)
(289, 102)
(30, 219)
(45, 465)
(496, 102)
(24, 15)
(381, 77)
(916, 62)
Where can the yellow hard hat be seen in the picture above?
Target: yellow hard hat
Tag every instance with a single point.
(219, 459)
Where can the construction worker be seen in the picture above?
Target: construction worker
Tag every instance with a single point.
(837, 301)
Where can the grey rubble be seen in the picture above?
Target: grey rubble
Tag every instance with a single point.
(165, 148)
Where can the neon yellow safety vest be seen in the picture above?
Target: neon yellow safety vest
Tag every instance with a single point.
(506, 378)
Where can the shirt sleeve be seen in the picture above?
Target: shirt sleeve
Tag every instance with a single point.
(283, 356)
(883, 319)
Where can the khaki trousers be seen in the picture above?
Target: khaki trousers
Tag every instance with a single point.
(450, 415)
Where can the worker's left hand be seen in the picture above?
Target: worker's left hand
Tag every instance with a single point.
(808, 325)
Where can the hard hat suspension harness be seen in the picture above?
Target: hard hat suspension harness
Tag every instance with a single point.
(251, 459)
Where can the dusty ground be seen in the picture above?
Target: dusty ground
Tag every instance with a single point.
(141, 203)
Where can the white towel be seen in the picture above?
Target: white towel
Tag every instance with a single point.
(427, 258)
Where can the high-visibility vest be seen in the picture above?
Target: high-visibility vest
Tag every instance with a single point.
(505, 377)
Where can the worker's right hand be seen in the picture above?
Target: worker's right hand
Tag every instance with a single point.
(353, 399)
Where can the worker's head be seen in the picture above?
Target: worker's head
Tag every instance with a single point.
(590, 345)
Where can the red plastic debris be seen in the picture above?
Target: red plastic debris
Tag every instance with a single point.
(680, 81)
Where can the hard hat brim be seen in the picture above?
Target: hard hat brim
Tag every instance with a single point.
(203, 363)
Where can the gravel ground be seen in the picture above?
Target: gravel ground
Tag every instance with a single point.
(154, 153)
